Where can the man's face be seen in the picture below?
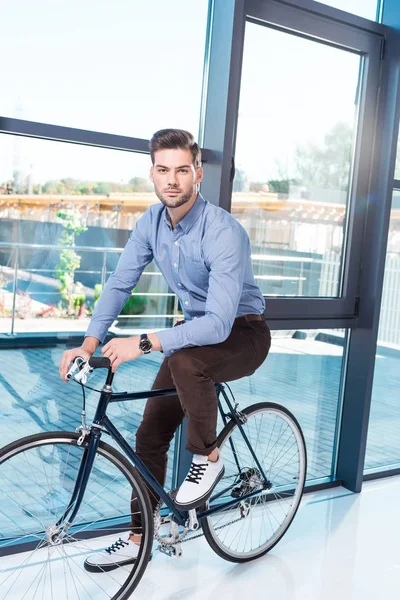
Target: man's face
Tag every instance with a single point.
(174, 176)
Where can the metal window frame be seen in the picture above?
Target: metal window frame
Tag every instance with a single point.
(363, 343)
(367, 236)
(337, 14)
(84, 137)
(230, 20)
(390, 17)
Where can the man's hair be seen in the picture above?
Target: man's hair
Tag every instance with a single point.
(175, 138)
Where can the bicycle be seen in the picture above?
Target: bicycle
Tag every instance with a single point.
(63, 494)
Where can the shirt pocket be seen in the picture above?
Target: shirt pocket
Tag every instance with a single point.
(197, 272)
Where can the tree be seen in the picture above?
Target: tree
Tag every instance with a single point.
(71, 186)
(103, 188)
(327, 166)
(256, 186)
(139, 184)
(70, 261)
(281, 186)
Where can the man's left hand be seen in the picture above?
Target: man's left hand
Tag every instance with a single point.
(122, 350)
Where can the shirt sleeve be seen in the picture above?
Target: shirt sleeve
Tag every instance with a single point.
(227, 257)
(136, 256)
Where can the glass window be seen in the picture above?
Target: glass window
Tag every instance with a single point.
(362, 8)
(121, 67)
(293, 156)
(34, 398)
(303, 373)
(383, 446)
(52, 195)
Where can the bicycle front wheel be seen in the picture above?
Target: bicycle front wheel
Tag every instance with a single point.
(249, 528)
(40, 559)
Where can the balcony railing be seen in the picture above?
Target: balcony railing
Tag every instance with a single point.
(277, 273)
(28, 279)
(23, 287)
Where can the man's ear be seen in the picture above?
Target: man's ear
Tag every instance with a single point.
(199, 174)
(151, 174)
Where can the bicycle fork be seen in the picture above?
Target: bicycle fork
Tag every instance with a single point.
(85, 469)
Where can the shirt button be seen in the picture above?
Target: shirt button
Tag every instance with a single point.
(176, 243)
(186, 302)
(175, 265)
(179, 285)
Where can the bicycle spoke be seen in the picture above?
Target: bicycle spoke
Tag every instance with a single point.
(251, 528)
(37, 486)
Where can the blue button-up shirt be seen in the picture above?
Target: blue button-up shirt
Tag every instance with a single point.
(205, 260)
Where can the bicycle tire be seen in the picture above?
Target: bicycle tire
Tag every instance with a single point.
(210, 524)
(27, 454)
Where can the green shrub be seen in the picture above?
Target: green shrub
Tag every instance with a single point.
(135, 305)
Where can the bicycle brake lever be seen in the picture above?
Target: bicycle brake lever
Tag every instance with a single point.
(82, 376)
(76, 366)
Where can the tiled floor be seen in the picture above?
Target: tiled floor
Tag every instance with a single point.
(303, 375)
(340, 545)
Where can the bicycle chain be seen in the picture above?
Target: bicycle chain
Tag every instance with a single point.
(215, 529)
(157, 525)
(181, 539)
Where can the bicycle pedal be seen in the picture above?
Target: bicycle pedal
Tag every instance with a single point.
(192, 521)
(171, 551)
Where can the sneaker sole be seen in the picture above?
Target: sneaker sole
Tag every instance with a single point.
(200, 501)
(92, 568)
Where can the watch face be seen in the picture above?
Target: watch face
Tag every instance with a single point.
(145, 345)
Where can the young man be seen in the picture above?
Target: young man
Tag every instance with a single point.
(204, 255)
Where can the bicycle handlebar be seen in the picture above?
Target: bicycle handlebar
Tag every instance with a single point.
(99, 362)
(80, 369)
(77, 365)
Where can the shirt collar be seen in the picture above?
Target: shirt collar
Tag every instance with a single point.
(191, 217)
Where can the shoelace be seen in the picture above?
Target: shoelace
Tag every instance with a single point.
(196, 472)
(117, 546)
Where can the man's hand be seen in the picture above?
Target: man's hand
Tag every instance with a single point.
(122, 350)
(69, 356)
(85, 351)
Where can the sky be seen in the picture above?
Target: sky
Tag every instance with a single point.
(132, 67)
(292, 100)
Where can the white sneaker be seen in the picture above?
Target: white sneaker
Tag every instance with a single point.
(203, 476)
(122, 552)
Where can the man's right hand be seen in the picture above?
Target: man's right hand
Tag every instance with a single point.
(69, 356)
(85, 351)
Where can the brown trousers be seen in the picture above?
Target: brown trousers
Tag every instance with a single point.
(193, 372)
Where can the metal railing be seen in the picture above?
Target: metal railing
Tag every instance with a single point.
(329, 275)
(40, 274)
(287, 275)
(287, 280)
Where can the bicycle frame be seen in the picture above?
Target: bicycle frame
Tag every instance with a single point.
(102, 423)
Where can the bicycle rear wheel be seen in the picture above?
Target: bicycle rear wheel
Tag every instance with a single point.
(37, 477)
(250, 528)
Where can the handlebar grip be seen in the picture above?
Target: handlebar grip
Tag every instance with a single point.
(100, 362)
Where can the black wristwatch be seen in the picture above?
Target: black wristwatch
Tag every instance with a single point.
(145, 344)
